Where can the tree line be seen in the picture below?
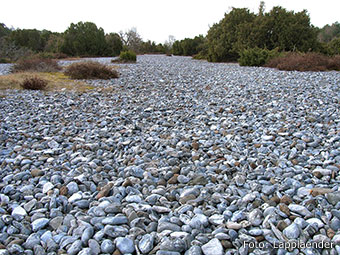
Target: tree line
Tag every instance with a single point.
(277, 30)
(240, 31)
(81, 39)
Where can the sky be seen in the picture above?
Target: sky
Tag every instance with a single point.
(154, 20)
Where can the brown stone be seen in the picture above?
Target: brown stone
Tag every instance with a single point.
(330, 233)
(317, 174)
(286, 200)
(195, 145)
(295, 162)
(105, 190)
(196, 157)
(116, 252)
(281, 225)
(275, 199)
(37, 172)
(161, 182)
(127, 182)
(63, 191)
(272, 180)
(259, 238)
(253, 165)
(319, 191)
(173, 179)
(284, 208)
(227, 244)
(237, 163)
(257, 145)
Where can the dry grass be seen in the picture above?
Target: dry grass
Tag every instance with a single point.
(34, 83)
(90, 70)
(305, 62)
(56, 81)
(36, 65)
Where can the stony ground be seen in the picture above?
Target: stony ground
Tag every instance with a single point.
(177, 157)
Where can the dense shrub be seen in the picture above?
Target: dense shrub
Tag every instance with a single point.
(256, 56)
(34, 83)
(50, 55)
(36, 65)
(126, 57)
(305, 62)
(90, 70)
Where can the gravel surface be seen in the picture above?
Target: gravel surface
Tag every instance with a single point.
(178, 157)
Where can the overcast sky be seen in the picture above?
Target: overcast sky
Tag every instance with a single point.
(154, 19)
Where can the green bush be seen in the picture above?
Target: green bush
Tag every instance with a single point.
(256, 56)
(90, 70)
(127, 56)
(34, 83)
(36, 65)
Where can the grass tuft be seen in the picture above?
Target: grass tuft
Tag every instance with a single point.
(34, 83)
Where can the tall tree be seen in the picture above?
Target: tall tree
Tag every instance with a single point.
(114, 44)
(84, 39)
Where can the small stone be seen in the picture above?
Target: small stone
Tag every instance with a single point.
(74, 248)
(37, 173)
(107, 246)
(19, 213)
(286, 200)
(333, 197)
(105, 190)
(213, 247)
(94, 247)
(47, 187)
(146, 244)
(284, 208)
(233, 225)
(63, 191)
(168, 226)
(319, 191)
(173, 179)
(72, 188)
(125, 245)
(56, 222)
(292, 231)
(300, 210)
(39, 224)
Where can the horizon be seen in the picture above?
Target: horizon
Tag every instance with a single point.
(152, 21)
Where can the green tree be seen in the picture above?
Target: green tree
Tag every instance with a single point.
(4, 31)
(114, 44)
(188, 46)
(334, 46)
(84, 39)
(222, 37)
(289, 31)
(30, 38)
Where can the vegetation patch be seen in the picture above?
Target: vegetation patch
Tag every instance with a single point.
(91, 70)
(36, 65)
(305, 62)
(257, 56)
(126, 57)
(34, 83)
(55, 81)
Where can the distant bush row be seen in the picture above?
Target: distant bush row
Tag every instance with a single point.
(83, 39)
